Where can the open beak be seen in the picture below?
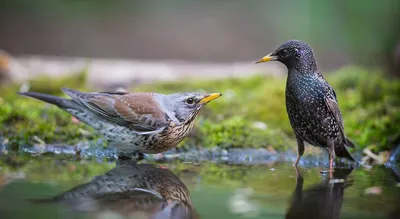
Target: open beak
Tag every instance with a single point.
(210, 97)
(267, 58)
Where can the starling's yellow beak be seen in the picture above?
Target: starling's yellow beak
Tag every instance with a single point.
(267, 58)
(210, 97)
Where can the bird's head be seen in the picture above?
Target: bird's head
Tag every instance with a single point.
(186, 106)
(294, 54)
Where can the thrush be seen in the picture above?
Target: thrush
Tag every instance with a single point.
(311, 103)
(135, 123)
(131, 189)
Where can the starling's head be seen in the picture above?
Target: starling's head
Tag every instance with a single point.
(294, 54)
(185, 106)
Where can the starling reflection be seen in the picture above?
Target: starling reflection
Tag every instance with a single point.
(323, 200)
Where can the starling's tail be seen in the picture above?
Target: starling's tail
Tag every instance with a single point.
(343, 152)
(58, 101)
(348, 143)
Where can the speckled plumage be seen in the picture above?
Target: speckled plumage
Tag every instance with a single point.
(309, 115)
(134, 122)
(311, 102)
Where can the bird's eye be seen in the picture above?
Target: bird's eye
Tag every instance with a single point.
(190, 100)
(285, 51)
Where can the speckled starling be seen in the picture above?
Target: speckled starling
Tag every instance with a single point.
(311, 102)
(134, 123)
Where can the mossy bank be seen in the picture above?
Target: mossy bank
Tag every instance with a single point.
(251, 113)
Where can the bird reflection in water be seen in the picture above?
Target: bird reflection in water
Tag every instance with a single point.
(323, 200)
(132, 190)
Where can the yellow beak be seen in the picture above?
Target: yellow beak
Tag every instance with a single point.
(210, 97)
(267, 58)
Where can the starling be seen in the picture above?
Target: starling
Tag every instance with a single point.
(130, 189)
(311, 102)
(135, 123)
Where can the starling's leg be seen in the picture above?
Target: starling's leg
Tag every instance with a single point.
(332, 155)
(300, 149)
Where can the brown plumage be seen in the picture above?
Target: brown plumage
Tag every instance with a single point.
(133, 190)
(134, 122)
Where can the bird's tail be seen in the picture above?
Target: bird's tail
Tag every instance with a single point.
(343, 152)
(58, 101)
(348, 143)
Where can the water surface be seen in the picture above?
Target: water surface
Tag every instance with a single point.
(56, 187)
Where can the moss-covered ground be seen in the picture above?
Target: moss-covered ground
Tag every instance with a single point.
(250, 114)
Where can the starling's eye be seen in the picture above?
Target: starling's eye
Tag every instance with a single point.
(285, 51)
(190, 100)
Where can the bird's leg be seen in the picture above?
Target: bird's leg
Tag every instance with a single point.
(332, 155)
(137, 156)
(300, 149)
(124, 157)
(77, 152)
(140, 156)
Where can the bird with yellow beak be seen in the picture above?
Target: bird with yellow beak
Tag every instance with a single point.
(311, 102)
(134, 123)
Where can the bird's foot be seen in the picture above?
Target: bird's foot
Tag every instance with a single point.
(139, 156)
(124, 157)
(136, 157)
(297, 171)
(77, 152)
(296, 162)
(327, 172)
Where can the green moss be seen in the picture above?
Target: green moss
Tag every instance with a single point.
(23, 119)
(369, 102)
(237, 132)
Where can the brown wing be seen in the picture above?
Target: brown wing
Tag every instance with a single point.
(139, 111)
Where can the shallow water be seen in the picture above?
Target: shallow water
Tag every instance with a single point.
(66, 187)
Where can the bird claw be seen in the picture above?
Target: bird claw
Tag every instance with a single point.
(327, 171)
